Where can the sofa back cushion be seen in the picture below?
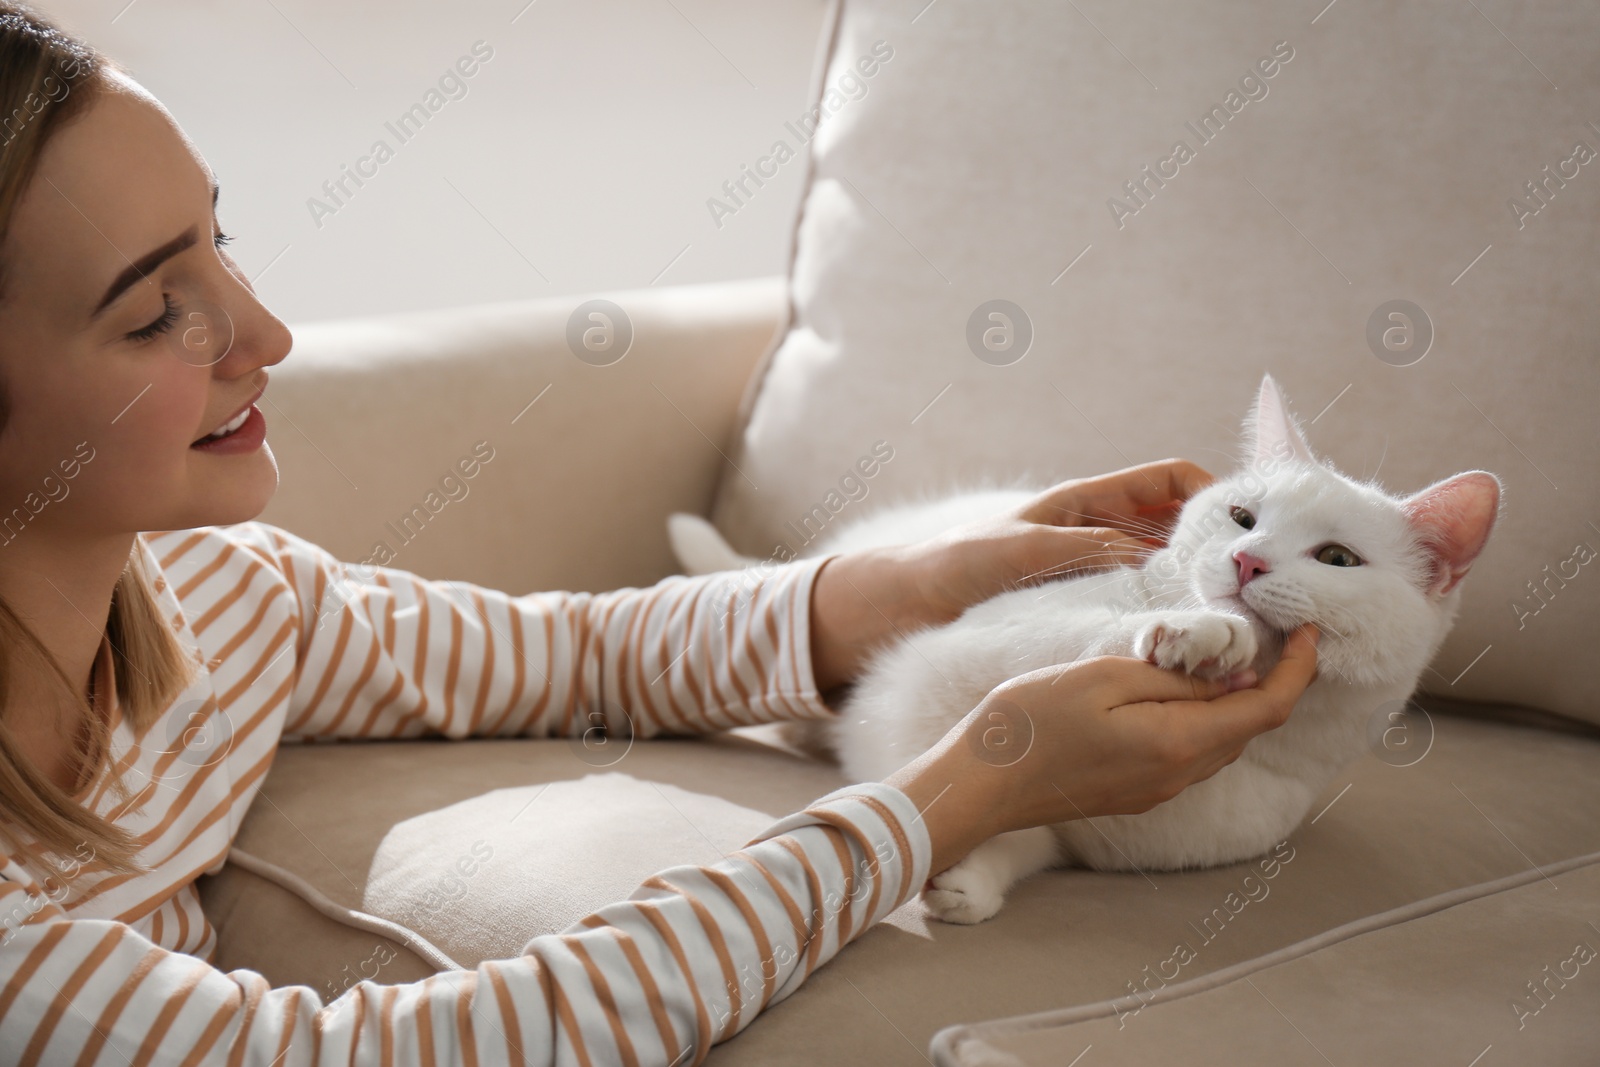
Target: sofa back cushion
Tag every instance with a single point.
(1051, 240)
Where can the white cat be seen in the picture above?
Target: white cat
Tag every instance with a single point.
(1285, 540)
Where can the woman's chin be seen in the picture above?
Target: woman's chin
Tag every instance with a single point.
(238, 492)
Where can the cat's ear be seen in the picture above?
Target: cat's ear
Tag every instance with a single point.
(1453, 519)
(1270, 431)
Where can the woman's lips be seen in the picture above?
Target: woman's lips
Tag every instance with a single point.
(247, 438)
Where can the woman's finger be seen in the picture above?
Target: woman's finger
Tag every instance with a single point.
(1122, 682)
(1239, 716)
(1068, 550)
(1124, 494)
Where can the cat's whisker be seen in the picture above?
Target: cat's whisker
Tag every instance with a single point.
(1131, 524)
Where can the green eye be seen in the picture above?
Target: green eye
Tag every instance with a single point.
(1338, 556)
(1242, 517)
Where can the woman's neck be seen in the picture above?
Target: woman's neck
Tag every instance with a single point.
(60, 586)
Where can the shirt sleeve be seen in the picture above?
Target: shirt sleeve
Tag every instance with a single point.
(385, 653)
(687, 961)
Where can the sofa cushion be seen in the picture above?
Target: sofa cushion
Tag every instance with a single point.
(381, 829)
(1355, 157)
(371, 420)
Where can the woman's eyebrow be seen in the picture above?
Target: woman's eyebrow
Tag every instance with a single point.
(143, 266)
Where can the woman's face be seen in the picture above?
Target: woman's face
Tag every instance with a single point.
(127, 334)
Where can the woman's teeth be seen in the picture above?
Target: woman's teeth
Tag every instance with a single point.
(229, 426)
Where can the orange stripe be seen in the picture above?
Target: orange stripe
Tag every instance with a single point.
(652, 992)
(732, 627)
(690, 678)
(208, 1037)
(702, 1020)
(183, 923)
(818, 920)
(385, 1025)
(119, 1001)
(352, 694)
(753, 652)
(464, 1026)
(452, 670)
(633, 689)
(860, 836)
(382, 705)
(68, 991)
(291, 1008)
(751, 920)
(424, 1017)
(796, 921)
(31, 964)
(608, 1002)
(671, 662)
(902, 842)
(485, 667)
(252, 1002)
(335, 659)
(203, 571)
(719, 945)
(221, 604)
(508, 1011)
(580, 661)
(419, 657)
(841, 853)
(182, 550)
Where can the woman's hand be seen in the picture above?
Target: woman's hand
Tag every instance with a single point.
(1079, 525)
(1105, 736)
(862, 599)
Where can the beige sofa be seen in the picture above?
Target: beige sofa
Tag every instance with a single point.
(1446, 879)
(1441, 902)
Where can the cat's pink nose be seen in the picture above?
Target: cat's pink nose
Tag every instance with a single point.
(1249, 567)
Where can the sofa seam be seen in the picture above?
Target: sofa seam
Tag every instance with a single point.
(821, 62)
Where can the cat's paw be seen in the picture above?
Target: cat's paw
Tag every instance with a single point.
(967, 893)
(1210, 644)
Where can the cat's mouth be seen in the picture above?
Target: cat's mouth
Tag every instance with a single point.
(1236, 602)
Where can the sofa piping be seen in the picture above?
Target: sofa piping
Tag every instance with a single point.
(947, 1043)
(360, 920)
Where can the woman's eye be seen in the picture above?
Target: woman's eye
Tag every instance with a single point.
(1242, 517)
(1338, 556)
(169, 315)
(219, 238)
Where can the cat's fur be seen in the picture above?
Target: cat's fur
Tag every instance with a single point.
(1185, 608)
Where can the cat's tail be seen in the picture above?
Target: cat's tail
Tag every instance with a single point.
(700, 548)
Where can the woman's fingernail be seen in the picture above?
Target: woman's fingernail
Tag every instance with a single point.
(1241, 680)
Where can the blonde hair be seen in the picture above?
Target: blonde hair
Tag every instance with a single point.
(46, 77)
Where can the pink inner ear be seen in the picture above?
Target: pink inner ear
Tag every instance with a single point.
(1272, 429)
(1454, 518)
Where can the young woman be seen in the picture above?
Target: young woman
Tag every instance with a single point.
(125, 654)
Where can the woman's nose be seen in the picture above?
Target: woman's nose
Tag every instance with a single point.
(1249, 566)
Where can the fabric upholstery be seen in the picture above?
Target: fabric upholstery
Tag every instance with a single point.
(379, 826)
(1373, 155)
(1503, 971)
(370, 417)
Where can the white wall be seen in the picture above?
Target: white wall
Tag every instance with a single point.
(580, 158)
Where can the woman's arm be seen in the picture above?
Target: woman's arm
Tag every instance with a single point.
(697, 952)
(866, 599)
(381, 652)
(689, 960)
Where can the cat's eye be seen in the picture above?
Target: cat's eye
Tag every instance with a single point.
(1338, 556)
(1242, 517)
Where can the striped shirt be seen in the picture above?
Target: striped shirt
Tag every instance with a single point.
(97, 967)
